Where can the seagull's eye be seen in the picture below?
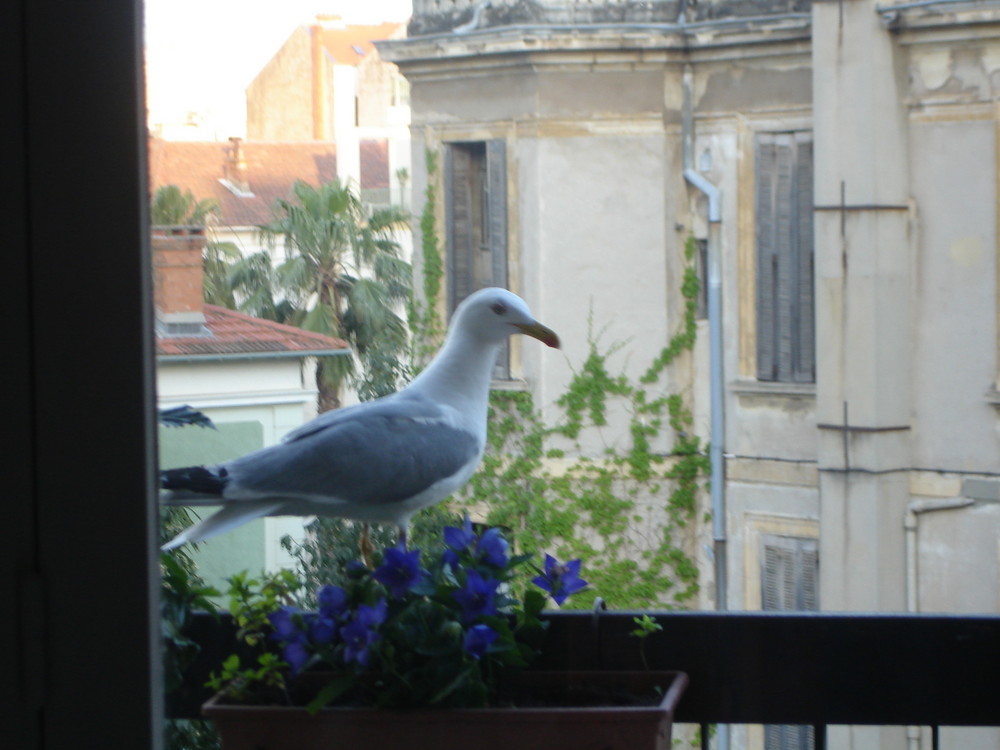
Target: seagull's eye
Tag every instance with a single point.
(499, 308)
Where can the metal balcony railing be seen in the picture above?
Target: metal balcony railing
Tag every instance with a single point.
(815, 669)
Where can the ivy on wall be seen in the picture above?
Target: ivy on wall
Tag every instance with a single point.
(426, 328)
(627, 512)
(628, 508)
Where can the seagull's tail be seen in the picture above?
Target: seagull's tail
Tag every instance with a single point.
(197, 480)
(235, 513)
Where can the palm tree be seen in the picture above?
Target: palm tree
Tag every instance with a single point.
(343, 276)
(172, 207)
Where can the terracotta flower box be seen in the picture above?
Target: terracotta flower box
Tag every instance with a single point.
(555, 711)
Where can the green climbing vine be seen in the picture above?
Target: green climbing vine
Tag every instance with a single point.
(425, 320)
(611, 474)
(623, 503)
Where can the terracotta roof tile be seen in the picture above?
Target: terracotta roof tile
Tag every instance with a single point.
(272, 169)
(344, 44)
(235, 334)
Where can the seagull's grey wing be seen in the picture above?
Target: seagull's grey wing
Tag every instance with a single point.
(386, 453)
(332, 417)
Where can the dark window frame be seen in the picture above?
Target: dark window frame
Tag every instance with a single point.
(79, 570)
(82, 511)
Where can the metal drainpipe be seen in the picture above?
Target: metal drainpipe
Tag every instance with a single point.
(911, 522)
(716, 380)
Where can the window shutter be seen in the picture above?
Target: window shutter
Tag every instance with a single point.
(785, 294)
(788, 737)
(789, 573)
(458, 217)
(789, 581)
(476, 217)
(784, 236)
(496, 171)
(805, 365)
(496, 208)
(766, 259)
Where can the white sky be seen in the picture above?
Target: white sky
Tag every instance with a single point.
(202, 54)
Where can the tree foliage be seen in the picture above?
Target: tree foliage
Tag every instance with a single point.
(172, 206)
(340, 274)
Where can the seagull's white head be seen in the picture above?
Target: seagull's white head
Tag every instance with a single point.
(493, 314)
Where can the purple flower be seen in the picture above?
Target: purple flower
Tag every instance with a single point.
(332, 602)
(372, 615)
(478, 639)
(560, 579)
(322, 629)
(362, 632)
(400, 571)
(477, 598)
(492, 548)
(459, 539)
(296, 654)
(285, 623)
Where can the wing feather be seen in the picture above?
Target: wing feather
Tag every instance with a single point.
(383, 454)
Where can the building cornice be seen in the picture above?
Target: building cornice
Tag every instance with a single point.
(613, 43)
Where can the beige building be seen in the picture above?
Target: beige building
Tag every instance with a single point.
(327, 82)
(852, 148)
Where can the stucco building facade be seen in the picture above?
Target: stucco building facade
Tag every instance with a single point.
(853, 148)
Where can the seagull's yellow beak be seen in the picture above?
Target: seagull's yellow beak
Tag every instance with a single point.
(537, 331)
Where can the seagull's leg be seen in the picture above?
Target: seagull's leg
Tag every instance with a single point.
(366, 546)
(401, 542)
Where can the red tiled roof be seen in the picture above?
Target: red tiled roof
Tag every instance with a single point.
(235, 334)
(343, 43)
(272, 169)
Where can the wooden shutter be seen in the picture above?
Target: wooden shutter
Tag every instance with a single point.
(496, 222)
(789, 573)
(476, 217)
(805, 334)
(785, 296)
(458, 217)
(767, 262)
(788, 737)
(789, 581)
(496, 171)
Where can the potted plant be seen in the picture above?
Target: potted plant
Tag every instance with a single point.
(429, 654)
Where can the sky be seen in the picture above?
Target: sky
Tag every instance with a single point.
(202, 54)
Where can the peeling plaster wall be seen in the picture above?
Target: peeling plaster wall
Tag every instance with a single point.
(599, 213)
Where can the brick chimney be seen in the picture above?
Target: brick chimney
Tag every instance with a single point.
(177, 280)
(235, 167)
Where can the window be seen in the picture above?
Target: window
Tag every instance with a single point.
(476, 217)
(789, 581)
(789, 573)
(786, 350)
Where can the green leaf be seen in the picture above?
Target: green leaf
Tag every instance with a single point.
(452, 686)
(330, 692)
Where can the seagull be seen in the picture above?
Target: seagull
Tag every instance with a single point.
(376, 462)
